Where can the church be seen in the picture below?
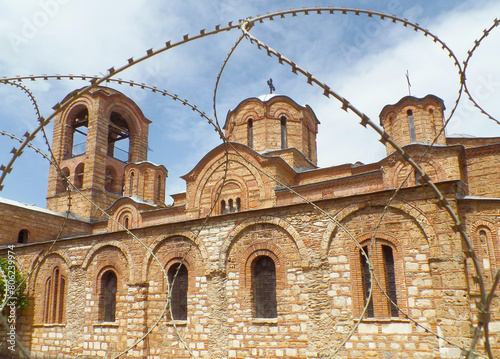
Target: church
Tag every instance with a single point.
(265, 255)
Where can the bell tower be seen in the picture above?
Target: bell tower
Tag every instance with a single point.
(414, 120)
(94, 139)
(275, 125)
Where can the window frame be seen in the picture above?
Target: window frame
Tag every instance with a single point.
(54, 308)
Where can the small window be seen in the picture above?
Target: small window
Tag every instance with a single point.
(411, 125)
(231, 206)
(23, 235)
(250, 132)
(283, 132)
(107, 297)
(79, 175)
(178, 275)
(264, 287)
(223, 209)
(158, 189)
(238, 204)
(55, 287)
(131, 184)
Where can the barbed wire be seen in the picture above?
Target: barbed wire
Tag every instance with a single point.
(245, 26)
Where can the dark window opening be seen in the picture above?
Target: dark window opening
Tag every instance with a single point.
(238, 204)
(22, 237)
(283, 132)
(264, 287)
(79, 133)
(366, 279)
(126, 222)
(131, 184)
(390, 280)
(79, 175)
(411, 125)
(178, 283)
(107, 298)
(250, 133)
(158, 192)
(223, 209)
(231, 207)
(118, 132)
(54, 297)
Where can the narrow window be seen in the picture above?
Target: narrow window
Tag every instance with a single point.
(108, 296)
(23, 235)
(223, 209)
(366, 278)
(390, 280)
(411, 125)
(238, 204)
(118, 132)
(131, 185)
(283, 132)
(231, 207)
(79, 175)
(178, 282)
(79, 133)
(250, 133)
(158, 189)
(54, 297)
(126, 222)
(264, 287)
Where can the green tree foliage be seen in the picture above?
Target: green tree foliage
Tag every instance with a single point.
(10, 279)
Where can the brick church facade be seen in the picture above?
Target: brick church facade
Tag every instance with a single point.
(259, 272)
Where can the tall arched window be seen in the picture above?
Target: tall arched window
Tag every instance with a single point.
(79, 126)
(250, 132)
(55, 287)
(23, 235)
(283, 132)
(411, 125)
(107, 296)
(131, 184)
(264, 287)
(118, 132)
(178, 275)
(79, 175)
(158, 189)
(381, 254)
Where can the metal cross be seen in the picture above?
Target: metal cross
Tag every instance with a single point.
(271, 86)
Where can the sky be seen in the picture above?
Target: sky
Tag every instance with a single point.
(361, 58)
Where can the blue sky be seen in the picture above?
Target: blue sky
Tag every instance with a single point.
(363, 59)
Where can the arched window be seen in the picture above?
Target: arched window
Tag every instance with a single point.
(250, 132)
(131, 184)
(223, 209)
(158, 189)
(79, 127)
(238, 204)
(23, 235)
(107, 296)
(178, 275)
(79, 175)
(411, 125)
(283, 132)
(264, 287)
(382, 257)
(118, 131)
(231, 206)
(55, 287)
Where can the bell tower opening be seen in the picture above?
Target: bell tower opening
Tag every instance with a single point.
(118, 132)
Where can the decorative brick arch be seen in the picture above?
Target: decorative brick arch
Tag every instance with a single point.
(214, 166)
(287, 227)
(230, 179)
(125, 210)
(37, 264)
(264, 249)
(492, 245)
(190, 258)
(355, 269)
(403, 168)
(419, 217)
(120, 246)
